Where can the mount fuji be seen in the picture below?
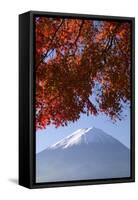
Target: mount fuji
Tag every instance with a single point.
(88, 153)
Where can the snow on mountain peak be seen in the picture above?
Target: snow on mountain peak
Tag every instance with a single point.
(85, 136)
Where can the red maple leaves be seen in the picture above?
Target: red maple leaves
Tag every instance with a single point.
(76, 59)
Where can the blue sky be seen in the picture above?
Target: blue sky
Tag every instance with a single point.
(119, 130)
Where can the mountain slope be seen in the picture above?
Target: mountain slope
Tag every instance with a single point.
(86, 154)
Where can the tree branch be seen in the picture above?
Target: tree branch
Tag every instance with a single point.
(51, 41)
(110, 42)
(75, 42)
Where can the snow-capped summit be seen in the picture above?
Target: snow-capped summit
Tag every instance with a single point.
(74, 139)
(84, 136)
(88, 153)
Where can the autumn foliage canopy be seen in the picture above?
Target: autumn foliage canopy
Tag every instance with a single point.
(82, 66)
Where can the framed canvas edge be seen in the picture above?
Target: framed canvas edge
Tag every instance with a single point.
(33, 184)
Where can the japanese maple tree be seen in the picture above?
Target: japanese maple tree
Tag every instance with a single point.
(82, 66)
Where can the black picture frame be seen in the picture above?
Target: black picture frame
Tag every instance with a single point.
(27, 100)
